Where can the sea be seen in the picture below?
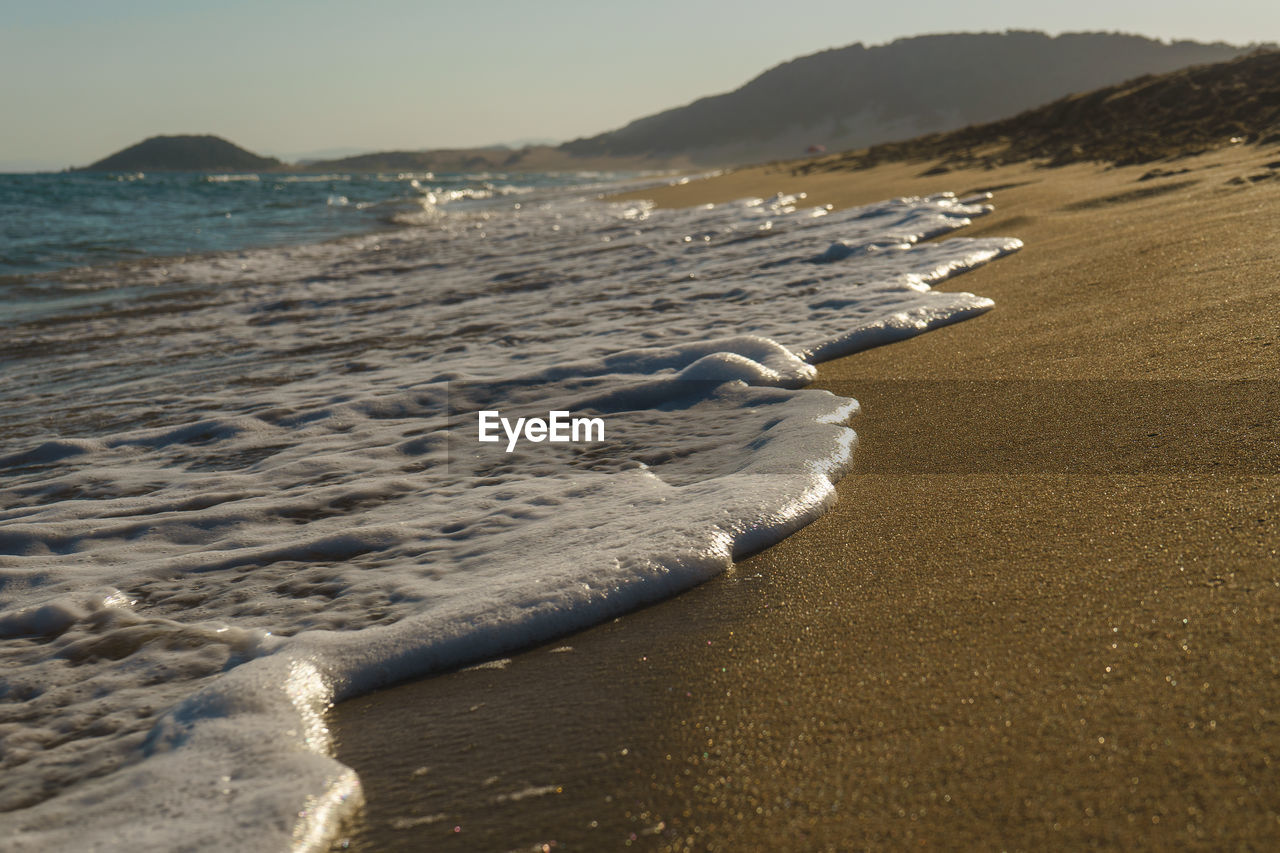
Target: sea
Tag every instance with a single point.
(243, 466)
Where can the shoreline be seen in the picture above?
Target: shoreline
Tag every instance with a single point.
(993, 653)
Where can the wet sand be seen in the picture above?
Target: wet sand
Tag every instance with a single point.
(1045, 610)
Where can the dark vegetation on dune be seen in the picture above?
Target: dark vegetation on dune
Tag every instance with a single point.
(1149, 118)
(184, 154)
(856, 96)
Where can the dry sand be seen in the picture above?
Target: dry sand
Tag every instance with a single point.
(1045, 611)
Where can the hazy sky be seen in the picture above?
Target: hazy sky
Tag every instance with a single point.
(84, 78)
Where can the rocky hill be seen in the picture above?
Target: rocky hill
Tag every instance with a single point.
(1144, 119)
(184, 154)
(856, 96)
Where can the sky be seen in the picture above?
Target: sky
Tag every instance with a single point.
(80, 79)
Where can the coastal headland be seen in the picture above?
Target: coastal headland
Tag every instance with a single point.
(1042, 613)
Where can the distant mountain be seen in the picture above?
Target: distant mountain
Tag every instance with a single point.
(304, 157)
(845, 98)
(856, 96)
(1148, 118)
(533, 158)
(184, 154)
(531, 142)
(438, 160)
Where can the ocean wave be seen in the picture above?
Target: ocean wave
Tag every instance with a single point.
(268, 492)
(312, 179)
(407, 176)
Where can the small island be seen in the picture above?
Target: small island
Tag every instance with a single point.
(184, 154)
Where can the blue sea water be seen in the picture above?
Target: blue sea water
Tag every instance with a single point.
(52, 221)
(62, 234)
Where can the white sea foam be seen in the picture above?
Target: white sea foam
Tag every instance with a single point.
(251, 486)
(311, 179)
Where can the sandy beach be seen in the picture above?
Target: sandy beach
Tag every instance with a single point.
(1043, 612)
